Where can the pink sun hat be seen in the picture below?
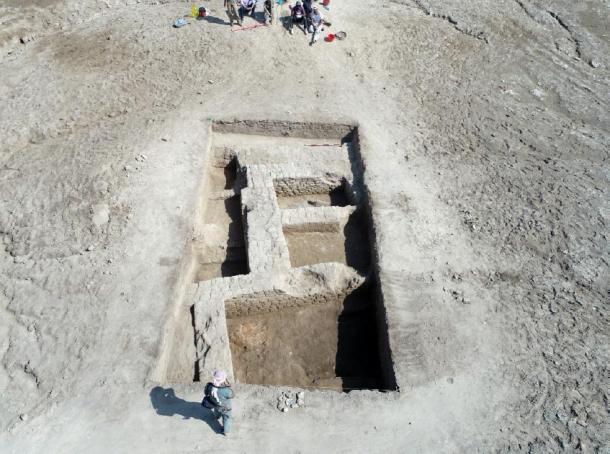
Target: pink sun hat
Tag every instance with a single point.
(219, 377)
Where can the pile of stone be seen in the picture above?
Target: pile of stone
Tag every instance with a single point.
(290, 400)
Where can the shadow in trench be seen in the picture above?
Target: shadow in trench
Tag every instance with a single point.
(235, 261)
(165, 403)
(357, 246)
(357, 361)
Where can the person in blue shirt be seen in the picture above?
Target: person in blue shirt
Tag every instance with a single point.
(218, 395)
(316, 21)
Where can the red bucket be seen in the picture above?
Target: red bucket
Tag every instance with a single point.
(325, 2)
(329, 38)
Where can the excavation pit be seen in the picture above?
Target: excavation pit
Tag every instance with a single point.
(332, 345)
(335, 197)
(222, 177)
(221, 248)
(321, 243)
(286, 289)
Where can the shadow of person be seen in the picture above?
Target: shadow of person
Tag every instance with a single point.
(285, 21)
(165, 403)
(213, 20)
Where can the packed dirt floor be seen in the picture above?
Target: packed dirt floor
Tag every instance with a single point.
(488, 128)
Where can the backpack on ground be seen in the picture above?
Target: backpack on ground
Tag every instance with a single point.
(209, 400)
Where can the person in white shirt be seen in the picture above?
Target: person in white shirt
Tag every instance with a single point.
(247, 8)
(315, 24)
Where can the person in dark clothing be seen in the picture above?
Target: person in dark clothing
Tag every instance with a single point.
(217, 399)
(268, 9)
(308, 7)
(297, 16)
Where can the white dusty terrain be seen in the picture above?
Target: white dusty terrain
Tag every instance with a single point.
(487, 128)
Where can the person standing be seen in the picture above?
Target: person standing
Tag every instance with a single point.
(269, 10)
(232, 9)
(308, 7)
(217, 399)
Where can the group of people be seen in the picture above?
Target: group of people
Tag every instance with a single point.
(237, 9)
(303, 13)
(309, 17)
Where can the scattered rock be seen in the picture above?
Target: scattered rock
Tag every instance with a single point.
(26, 38)
(594, 63)
(37, 137)
(101, 186)
(562, 415)
(100, 214)
(90, 248)
(290, 400)
(23, 416)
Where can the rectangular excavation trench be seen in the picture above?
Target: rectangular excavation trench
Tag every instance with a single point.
(335, 342)
(328, 345)
(220, 245)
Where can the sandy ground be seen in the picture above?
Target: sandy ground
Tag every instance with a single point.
(487, 160)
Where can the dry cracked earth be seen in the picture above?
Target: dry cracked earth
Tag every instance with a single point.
(488, 132)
